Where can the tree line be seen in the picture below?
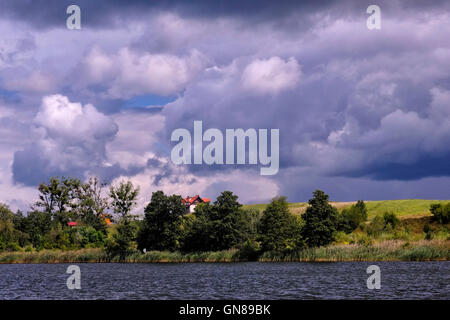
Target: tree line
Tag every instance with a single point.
(221, 225)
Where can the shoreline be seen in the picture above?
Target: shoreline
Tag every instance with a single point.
(393, 251)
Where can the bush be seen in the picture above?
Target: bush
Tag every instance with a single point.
(365, 241)
(441, 213)
(249, 250)
(390, 220)
(13, 246)
(121, 243)
(376, 226)
(428, 231)
(351, 218)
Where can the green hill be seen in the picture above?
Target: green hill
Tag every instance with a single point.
(402, 208)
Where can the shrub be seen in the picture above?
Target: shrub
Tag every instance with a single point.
(249, 250)
(428, 231)
(365, 241)
(441, 213)
(390, 220)
(351, 218)
(376, 226)
(121, 243)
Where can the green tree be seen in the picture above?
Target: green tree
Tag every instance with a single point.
(279, 230)
(161, 229)
(121, 243)
(57, 197)
(220, 226)
(198, 230)
(320, 221)
(34, 227)
(91, 206)
(123, 198)
(7, 231)
(349, 219)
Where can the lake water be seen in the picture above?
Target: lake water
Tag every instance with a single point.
(253, 280)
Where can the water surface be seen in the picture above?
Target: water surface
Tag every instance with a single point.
(253, 280)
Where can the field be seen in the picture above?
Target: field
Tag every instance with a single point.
(411, 208)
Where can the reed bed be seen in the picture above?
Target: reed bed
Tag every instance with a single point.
(391, 250)
(383, 251)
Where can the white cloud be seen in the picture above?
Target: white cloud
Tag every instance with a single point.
(66, 120)
(130, 73)
(271, 75)
(135, 139)
(68, 139)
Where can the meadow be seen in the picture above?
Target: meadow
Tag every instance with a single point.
(407, 208)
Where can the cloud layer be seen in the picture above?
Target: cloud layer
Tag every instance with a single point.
(361, 113)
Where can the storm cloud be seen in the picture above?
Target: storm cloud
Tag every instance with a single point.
(361, 113)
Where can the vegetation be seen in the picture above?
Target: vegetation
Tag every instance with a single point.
(353, 217)
(321, 221)
(220, 226)
(279, 230)
(70, 223)
(162, 223)
(441, 213)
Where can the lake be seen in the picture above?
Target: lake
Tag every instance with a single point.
(252, 280)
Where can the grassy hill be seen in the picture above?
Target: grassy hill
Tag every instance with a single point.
(410, 208)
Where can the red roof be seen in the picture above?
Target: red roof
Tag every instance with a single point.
(190, 200)
(72, 223)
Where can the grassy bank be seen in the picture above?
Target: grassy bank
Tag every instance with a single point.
(402, 208)
(382, 251)
(392, 250)
(98, 256)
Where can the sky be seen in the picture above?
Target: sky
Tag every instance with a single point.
(362, 114)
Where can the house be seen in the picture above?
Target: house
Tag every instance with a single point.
(191, 202)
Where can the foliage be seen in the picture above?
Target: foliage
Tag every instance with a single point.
(57, 198)
(220, 226)
(249, 251)
(219, 231)
(91, 206)
(350, 218)
(320, 221)
(441, 213)
(390, 220)
(428, 231)
(279, 230)
(121, 243)
(123, 198)
(161, 229)
(376, 226)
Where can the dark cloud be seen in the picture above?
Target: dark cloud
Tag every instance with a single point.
(361, 113)
(102, 13)
(105, 13)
